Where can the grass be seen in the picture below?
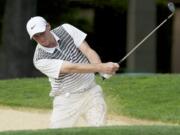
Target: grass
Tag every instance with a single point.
(32, 92)
(117, 130)
(153, 97)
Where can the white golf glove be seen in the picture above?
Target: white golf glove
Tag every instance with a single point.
(105, 76)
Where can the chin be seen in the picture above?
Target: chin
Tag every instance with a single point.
(45, 44)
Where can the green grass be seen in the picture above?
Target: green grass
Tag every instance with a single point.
(153, 97)
(32, 92)
(123, 130)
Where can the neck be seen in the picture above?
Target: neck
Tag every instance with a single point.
(53, 42)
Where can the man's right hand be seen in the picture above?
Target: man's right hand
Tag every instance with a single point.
(109, 68)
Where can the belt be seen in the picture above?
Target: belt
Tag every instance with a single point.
(80, 91)
(84, 89)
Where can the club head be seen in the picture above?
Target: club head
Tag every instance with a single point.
(171, 7)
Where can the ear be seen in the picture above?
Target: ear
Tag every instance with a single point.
(48, 26)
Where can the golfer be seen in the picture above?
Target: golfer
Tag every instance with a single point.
(65, 57)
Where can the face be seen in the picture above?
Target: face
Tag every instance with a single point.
(44, 38)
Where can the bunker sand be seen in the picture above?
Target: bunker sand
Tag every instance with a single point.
(29, 119)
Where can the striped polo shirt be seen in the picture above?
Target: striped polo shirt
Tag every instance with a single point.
(50, 60)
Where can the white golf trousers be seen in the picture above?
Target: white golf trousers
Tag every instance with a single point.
(67, 109)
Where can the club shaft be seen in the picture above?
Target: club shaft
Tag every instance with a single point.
(144, 39)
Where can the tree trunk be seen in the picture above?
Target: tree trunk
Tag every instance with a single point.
(16, 52)
(141, 21)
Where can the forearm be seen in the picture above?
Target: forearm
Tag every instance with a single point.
(68, 67)
(108, 68)
(92, 56)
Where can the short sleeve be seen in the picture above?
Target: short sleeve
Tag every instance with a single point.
(50, 67)
(77, 35)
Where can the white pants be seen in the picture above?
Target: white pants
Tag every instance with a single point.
(68, 109)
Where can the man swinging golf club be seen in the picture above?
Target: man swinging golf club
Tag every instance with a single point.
(65, 57)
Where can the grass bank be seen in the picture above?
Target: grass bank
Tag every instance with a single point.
(118, 130)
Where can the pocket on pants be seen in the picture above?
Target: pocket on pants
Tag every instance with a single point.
(97, 97)
(96, 113)
(59, 101)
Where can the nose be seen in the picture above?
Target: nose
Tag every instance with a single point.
(42, 39)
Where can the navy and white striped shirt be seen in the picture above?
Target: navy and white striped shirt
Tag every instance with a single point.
(50, 60)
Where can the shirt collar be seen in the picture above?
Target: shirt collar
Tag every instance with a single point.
(50, 50)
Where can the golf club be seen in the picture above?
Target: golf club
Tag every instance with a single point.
(171, 7)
